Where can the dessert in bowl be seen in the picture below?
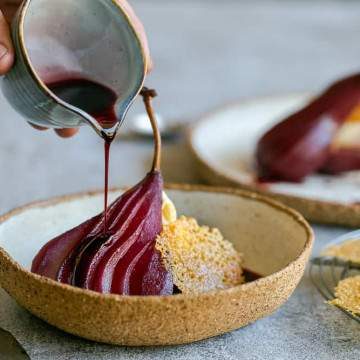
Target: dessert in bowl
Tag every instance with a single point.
(275, 241)
(136, 274)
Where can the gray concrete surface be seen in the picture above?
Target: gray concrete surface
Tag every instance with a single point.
(206, 53)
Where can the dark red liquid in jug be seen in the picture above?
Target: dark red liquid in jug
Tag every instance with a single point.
(94, 98)
(98, 101)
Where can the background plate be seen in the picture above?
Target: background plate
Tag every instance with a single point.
(224, 142)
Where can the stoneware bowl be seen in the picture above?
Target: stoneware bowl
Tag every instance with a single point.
(276, 242)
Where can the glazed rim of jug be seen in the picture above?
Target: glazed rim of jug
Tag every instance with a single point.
(26, 58)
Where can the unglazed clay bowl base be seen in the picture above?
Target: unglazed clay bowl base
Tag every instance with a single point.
(224, 143)
(276, 242)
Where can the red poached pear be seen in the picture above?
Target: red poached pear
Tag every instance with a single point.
(124, 259)
(300, 144)
(344, 154)
(342, 160)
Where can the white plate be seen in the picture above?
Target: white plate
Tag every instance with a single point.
(224, 142)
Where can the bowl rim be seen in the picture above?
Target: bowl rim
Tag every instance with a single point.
(278, 206)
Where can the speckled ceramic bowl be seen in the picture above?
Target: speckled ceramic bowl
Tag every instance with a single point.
(275, 240)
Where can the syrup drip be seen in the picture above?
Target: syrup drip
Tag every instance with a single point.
(98, 101)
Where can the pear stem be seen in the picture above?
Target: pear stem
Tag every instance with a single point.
(148, 95)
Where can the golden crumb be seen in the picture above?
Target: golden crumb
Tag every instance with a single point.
(348, 250)
(347, 294)
(198, 257)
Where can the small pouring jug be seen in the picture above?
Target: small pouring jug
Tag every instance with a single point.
(60, 40)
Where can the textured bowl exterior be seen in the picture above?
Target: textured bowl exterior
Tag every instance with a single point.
(153, 320)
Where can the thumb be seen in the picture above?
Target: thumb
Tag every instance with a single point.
(6, 48)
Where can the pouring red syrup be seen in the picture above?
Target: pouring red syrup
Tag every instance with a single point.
(98, 101)
(114, 252)
(106, 182)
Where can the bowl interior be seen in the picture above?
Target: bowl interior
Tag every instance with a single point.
(269, 237)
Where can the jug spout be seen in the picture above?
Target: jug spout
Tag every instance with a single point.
(106, 130)
(109, 134)
(96, 104)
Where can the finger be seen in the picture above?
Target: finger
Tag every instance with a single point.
(37, 127)
(139, 28)
(66, 133)
(6, 48)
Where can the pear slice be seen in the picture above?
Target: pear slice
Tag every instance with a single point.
(344, 154)
(300, 144)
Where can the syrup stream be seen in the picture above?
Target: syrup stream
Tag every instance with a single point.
(106, 183)
(98, 101)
